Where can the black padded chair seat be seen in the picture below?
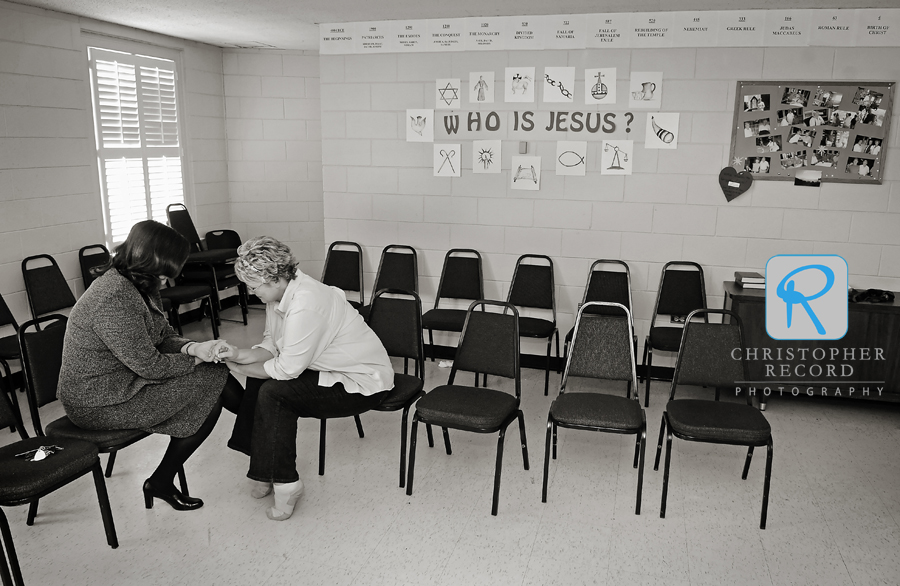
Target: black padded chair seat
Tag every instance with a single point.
(103, 438)
(597, 410)
(405, 387)
(445, 320)
(22, 479)
(533, 327)
(9, 347)
(181, 294)
(717, 421)
(466, 407)
(364, 311)
(356, 305)
(216, 255)
(666, 339)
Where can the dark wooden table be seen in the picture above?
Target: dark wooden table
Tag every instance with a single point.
(872, 327)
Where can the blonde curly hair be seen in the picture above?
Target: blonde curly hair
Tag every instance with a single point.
(265, 259)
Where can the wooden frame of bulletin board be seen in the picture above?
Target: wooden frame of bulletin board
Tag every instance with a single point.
(837, 127)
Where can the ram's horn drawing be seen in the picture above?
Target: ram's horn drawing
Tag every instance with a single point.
(663, 134)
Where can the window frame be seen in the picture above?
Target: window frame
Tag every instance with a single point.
(139, 53)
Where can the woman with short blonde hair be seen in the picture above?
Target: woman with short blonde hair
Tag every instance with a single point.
(317, 359)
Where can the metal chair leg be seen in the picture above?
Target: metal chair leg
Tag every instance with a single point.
(403, 426)
(496, 498)
(412, 454)
(665, 489)
(32, 512)
(765, 503)
(555, 433)
(447, 441)
(747, 463)
(521, 418)
(662, 429)
(105, 511)
(359, 428)
(431, 343)
(640, 484)
(547, 368)
(11, 553)
(649, 353)
(110, 462)
(547, 458)
(321, 447)
(430, 435)
(558, 367)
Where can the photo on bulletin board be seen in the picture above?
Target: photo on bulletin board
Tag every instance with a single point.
(837, 128)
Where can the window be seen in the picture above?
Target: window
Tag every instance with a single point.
(137, 130)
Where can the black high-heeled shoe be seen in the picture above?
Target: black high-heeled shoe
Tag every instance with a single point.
(176, 499)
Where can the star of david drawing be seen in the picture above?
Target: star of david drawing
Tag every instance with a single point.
(445, 91)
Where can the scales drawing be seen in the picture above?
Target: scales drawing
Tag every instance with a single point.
(619, 157)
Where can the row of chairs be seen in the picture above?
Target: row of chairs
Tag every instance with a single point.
(682, 289)
(602, 349)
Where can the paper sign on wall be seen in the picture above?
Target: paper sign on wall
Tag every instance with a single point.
(600, 86)
(481, 87)
(526, 173)
(645, 89)
(570, 156)
(615, 157)
(447, 94)
(558, 84)
(420, 125)
(662, 131)
(486, 156)
(519, 84)
(446, 160)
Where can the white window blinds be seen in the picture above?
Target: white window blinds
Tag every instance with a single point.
(138, 138)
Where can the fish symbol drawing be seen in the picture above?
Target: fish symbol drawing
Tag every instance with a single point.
(417, 124)
(570, 159)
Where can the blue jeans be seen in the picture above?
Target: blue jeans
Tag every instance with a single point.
(273, 451)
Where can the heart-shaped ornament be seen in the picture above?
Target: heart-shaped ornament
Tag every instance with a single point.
(733, 183)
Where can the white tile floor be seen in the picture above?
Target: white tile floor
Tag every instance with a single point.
(834, 513)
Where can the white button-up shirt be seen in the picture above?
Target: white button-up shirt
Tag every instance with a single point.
(314, 327)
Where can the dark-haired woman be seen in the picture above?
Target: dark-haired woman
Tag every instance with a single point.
(124, 367)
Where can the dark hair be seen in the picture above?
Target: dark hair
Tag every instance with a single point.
(151, 250)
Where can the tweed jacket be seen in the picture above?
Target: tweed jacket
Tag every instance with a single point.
(120, 351)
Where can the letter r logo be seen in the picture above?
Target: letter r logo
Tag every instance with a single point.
(806, 297)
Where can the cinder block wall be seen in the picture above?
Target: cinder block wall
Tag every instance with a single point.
(275, 149)
(49, 194)
(379, 189)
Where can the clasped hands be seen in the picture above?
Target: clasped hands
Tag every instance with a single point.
(212, 350)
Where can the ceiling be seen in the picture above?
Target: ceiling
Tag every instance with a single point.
(292, 24)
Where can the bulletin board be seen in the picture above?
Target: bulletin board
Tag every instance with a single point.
(838, 128)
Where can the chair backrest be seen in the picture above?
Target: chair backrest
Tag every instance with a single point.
(461, 277)
(398, 269)
(489, 342)
(45, 286)
(6, 317)
(41, 361)
(343, 267)
(680, 291)
(396, 318)
(93, 259)
(218, 239)
(613, 286)
(602, 345)
(706, 357)
(532, 284)
(180, 221)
